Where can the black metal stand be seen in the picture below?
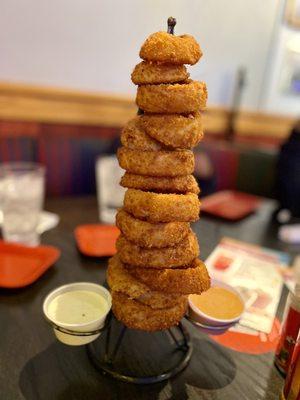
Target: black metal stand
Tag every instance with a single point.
(104, 359)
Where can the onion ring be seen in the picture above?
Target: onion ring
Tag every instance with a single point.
(134, 137)
(136, 315)
(177, 184)
(146, 73)
(191, 280)
(160, 207)
(178, 98)
(120, 280)
(168, 257)
(164, 47)
(149, 235)
(176, 131)
(156, 163)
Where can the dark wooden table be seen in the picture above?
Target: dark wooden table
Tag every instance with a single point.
(33, 365)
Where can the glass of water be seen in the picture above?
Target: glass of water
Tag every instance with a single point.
(22, 197)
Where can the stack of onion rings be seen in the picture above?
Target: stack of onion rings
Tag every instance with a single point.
(156, 264)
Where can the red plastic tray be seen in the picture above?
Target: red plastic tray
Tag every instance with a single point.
(20, 265)
(230, 204)
(97, 240)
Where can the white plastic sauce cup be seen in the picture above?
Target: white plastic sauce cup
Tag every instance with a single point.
(84, 327)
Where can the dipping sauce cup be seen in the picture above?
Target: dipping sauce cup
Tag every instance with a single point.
(77, 307)
(231, 298)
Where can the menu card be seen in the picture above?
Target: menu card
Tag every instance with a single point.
(257, 274)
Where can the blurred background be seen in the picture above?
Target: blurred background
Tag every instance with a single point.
(65, 88)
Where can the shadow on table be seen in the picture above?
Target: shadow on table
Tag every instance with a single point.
(65, 373)
(211, 368)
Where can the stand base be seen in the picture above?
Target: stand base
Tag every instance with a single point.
(159, 355)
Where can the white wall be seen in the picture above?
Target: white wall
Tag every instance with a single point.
(94, 44)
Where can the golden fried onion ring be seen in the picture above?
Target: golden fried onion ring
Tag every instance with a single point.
(179, 255)
(136, 315)
(134, 137)
(164, 47)
(178, 98)
(176, 184)
(146, 73)
(120, 280)
(194, 279)
(176, 131)
(156, 163)
(149, 235)
(160, 207)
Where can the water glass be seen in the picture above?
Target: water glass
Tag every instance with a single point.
(109, 192)
(22, 192)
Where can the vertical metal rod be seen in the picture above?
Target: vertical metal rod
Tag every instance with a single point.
(171, 25)
(117, 346)
(107, 339)
(173, 337)
(185, 339)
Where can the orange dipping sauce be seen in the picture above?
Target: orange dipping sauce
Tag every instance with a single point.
(218, 303)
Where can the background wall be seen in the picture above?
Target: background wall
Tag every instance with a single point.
(94, 44)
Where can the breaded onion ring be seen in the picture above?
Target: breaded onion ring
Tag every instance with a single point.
(194, 279)
(120, 280)
(179, 255)
(178, 98)
(134, 137)
(164, 47)
(158, 207)
(146, 73)
(136, 315)
(176, 184)
(156, 163)
(149, 235)
(177, 131)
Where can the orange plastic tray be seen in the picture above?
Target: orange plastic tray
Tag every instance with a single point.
(230, 204)
(97, 240)
(20, 265)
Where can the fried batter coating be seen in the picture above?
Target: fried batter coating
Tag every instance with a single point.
(146, 73)
(179, 255)
(176, 184)
(161, 207)
(164, 47)
(120, 280)
(176, 131)
(146, 234)
(156, 163)
(136, 315)
(194, 279)
(133, 136)
(178, 98)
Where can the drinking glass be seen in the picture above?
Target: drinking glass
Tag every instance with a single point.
(22, 193)
(109, 192)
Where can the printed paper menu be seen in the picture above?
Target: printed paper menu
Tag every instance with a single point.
(255, 272)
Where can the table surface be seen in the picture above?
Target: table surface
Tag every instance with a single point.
(33, 365)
